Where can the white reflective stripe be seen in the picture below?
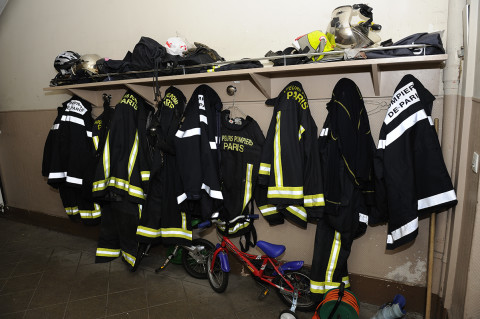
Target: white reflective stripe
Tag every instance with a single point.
(405, 125)
(129, 258)
(96, 214)
(73, 119)
(381, 144)
(437, 199)
(176, 232)
(298, 211)
(57, 175)
(278, 153)
(108, 252)
(324, 132)
(106, 157)
(314, 200)
(95, 141)
(89, 133)
(85, 213)
(285, 192)
(268, 210)
(332, 263)
(55, 127)
(145, 175)
(203, 119)
(213, 145)
(212, 193)
(264, 168)
(148, 231)
(74, 180)
(430, 120)
(188, 133)
(133, 156)
(181, 198)
(300, 132)
(248, 186)
(363, 218)
(184, 220)
(403, 231)
(215, 215)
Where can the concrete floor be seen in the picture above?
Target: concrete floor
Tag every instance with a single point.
(47, 274)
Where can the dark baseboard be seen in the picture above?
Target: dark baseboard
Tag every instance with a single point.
(367, 289)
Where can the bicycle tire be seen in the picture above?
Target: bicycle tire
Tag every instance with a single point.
(218, 279)
(190, 263)
(287, 314)
(300, 279)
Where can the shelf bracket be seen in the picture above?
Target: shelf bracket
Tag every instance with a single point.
(262, 83)
(88, 95)
(376, 79)
(145, 91)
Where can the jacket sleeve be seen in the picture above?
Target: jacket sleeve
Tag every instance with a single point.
(312, 172)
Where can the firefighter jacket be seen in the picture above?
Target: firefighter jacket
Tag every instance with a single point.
(197, 147)
(241, 146)
(290, 163)
(347, 150)
(162, 218)
(409, 163)
(124, 170)
(69, 144)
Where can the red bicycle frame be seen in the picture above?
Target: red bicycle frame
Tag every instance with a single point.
(226, 245)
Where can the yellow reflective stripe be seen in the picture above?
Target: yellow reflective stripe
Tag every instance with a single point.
(140, 211)
(87, 214)
(96, 140)
(128, 258)
(298, 211)
(145, 175)
(264, 169)
(332, 262)
(300, 132)
(133, 156)
(120, 184)
(106, 157)
(107, 252)
(277, 148)
(184, 220)
(164, 232)
(72, 210)
(321, 287)
(348, 113)
(314, 200)
(348, 167)
(236, 228)
(267, 210)
(97, 211)
(248, 186)
(285, 192)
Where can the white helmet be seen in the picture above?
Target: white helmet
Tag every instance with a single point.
(176, 46)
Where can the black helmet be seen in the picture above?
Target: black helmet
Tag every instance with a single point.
(66, 62)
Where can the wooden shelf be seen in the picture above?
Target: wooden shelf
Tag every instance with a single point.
(260, 78)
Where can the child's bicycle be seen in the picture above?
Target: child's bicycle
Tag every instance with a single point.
(291, 279)
(194, 257)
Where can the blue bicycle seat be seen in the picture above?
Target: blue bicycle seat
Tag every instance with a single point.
(271, 250)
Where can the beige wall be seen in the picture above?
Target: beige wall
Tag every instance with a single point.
(33, 32)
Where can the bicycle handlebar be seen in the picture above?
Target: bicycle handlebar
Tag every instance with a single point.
(211, 221)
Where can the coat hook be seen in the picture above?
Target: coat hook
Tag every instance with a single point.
(231, 90)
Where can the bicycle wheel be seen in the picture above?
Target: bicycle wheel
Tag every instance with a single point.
(218, 279)
(300, 279)
(287, 314)
(195, 262)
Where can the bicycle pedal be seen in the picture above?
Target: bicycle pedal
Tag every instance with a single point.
(263, 294)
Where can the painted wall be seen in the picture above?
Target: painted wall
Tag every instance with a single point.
(33, 32)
